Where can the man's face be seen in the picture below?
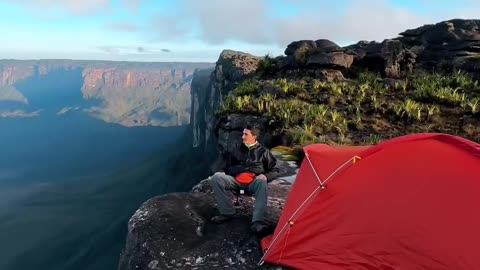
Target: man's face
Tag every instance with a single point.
(247, 137)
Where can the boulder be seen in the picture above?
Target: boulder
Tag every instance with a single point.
(390, 58)
(445, 46)
(329, 75)
(299, 54)
(235, 65)
(174, 231)
(336, 60)
(325, 45)
(299, 45)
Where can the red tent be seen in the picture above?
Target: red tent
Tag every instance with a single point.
(412, 202)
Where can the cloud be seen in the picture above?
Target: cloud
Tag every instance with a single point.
(169, 28)
(74, 7)
(213, 21)
(128, 50)
(254, 22)
(77, 7)
(108, 49)
(123, 27)
(251, 25)
(19, 114)
(235, 19)
(121, 50)
(357, 22)
(131, 5)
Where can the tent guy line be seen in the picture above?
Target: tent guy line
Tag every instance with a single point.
(322, 186)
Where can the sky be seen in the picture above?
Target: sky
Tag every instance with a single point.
(198, 30)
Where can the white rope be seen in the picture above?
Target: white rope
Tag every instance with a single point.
(284, 226)
(314, 171)
(337, 170)
(322, 186)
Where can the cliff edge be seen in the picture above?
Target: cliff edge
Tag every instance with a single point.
(425, 80)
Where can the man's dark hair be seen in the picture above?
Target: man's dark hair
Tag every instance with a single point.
(255, 131)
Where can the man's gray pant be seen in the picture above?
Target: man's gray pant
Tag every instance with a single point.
(224, 184)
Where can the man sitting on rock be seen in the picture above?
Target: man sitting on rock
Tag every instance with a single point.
(248, 168)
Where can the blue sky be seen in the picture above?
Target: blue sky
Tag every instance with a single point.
(198, 30)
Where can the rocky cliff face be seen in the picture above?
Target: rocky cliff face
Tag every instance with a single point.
(130, 94)
(231, 68)
(174, 231)
(200, 106)
(445, 46)
(153, 244)
(209, 88)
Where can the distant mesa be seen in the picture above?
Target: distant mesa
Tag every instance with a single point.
(125, 93)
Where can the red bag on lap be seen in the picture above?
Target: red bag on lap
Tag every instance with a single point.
(245, 178)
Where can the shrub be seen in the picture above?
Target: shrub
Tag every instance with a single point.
(474, 105)
(267, 66)
(247, 87)
(373, 139)
(369, 77)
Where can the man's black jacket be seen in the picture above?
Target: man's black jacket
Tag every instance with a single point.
(256, 159)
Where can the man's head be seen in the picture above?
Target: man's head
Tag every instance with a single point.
(250, 135)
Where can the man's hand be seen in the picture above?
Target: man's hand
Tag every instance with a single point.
(262, 177)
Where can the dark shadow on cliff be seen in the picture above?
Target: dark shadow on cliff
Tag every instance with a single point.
(90, 219)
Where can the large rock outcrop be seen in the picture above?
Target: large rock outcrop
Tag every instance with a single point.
(444, 46)
(323, 57)
(448, 45)
(232, 67)
(174, 231)
(326, 60)
(391, 58)
(320, 53)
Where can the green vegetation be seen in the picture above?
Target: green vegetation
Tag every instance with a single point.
(266, 66)
(313, 111)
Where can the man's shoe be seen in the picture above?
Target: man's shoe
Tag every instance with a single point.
(258, 227)
(221, 218)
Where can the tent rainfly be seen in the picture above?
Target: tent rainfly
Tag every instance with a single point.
(412, 202)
